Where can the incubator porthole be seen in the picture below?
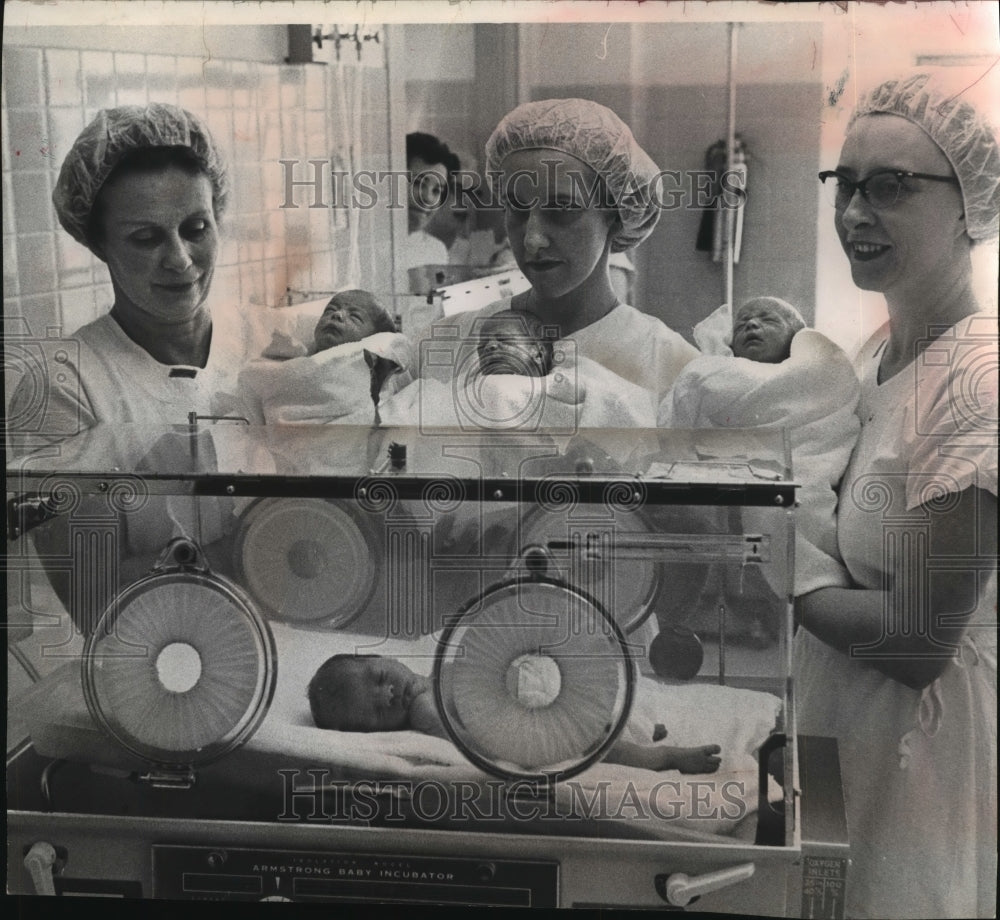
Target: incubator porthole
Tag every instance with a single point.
(181, 668)
(307, 560)
(533, 680)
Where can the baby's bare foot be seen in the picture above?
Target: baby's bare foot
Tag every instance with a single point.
(702, 759)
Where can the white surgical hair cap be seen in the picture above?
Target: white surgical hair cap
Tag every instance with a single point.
(116, 132)
(594, 134)
(965, 137)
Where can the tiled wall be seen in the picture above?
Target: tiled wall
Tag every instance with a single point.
(259, 114)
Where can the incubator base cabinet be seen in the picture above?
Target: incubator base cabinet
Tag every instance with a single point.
(567, 599)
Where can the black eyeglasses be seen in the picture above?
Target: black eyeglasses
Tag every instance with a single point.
(881, 189)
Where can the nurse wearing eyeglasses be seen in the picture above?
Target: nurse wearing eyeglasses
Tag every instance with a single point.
(901, 666)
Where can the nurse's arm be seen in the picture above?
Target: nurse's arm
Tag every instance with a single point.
(849, 618)
(49, 410)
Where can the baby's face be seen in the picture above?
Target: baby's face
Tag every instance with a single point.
(762, 333)
(343, 323)
(506, 347)
(370, 695)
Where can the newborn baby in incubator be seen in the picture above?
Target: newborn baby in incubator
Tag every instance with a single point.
(371, 693)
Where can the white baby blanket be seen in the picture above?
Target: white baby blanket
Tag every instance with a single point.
(579, 393)
(335, 385)
(813, 394)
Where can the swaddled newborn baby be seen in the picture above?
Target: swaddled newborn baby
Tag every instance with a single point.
(514, 342)
(355, 359)
(507, 375)
(350, 316)
(763, 329)
(370, 693)
(779, 374)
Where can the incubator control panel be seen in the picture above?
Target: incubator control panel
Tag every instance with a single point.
(219, 873)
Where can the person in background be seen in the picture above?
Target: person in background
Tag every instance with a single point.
(452, 223)
(900, 665)
(427, 162)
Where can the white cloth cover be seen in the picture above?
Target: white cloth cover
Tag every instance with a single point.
(813, 394)
(578, 393)
(332, 386)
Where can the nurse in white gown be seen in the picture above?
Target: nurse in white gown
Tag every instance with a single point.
(901, 666)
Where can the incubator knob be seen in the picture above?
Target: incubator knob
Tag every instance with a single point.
(680, 889)
(40, 861)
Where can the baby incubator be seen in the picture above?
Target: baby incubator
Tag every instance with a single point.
(561, 591)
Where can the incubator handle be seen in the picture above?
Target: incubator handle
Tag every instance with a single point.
(682, 889)
(39, 862)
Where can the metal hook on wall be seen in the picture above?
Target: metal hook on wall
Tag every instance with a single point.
(337, 37)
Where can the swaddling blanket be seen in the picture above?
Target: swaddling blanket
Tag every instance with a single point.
(335, 385)
(579, 393)
(814, 395)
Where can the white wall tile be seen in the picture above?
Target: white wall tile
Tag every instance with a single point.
(65, 125)
(23, 76)
(98, 79)
(32, 206)
(63, 77)
(36, 263)
(29, 138)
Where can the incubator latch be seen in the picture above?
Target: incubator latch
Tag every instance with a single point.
(680, 890)
(181, 553)
(27, 511)
(169, 779)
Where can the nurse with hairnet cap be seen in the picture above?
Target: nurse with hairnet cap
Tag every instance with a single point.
(901, 666)
(575, 188)
(143, 188)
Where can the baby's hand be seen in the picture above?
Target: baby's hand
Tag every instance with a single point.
(424, 716)
(702, 759)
